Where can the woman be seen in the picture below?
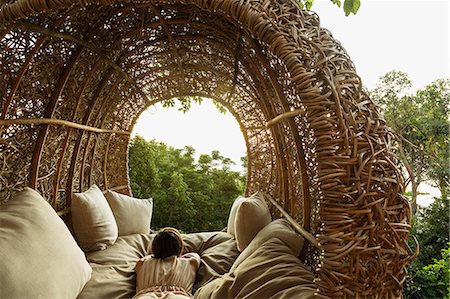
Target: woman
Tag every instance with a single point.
(166, 274)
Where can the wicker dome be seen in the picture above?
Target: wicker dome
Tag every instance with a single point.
(77, 74)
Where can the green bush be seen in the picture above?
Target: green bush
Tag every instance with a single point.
(191, 196)
(430, 281)
(429, 273)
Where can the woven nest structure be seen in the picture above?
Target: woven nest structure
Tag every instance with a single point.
(75, 76)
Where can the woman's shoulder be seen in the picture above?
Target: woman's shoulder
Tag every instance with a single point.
(192, 257)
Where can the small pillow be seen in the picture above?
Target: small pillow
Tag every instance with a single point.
(280, 229)
(39, 258)
(93, 221)
(232, 217)
(251, 216)
(133, 216)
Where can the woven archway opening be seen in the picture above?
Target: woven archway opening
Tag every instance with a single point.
(76, 77)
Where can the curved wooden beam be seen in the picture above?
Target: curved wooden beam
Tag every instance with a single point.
(99, 115)
(48, 113)
(76, 150)
(307, 235)
(20, 75)
(65, 144)
(90, 46)
(60, 122)
(295, 134)
(169, 35)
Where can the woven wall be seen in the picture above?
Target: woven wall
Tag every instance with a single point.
(75, 76)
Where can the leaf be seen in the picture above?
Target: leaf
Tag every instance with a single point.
(337, 2)
(356, 6)
(351, 6)
(168, 103)
(222, 109)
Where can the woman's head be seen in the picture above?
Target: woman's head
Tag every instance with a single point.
(167, 242)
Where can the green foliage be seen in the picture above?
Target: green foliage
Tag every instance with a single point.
(187, 195)
(431, 227)
(350, 6)
(221, 108)
(431, 281)
(186, 103)
(439, 273)
(436, 109)
(428, 276)
(421, 123)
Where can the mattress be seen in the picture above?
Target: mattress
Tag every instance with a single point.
(113, 273)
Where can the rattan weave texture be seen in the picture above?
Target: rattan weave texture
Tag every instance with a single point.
(75, 76)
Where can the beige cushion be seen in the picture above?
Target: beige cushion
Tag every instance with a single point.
(92, 219)
(39, 258)
(251, 216)
(113, 274)
(271, 271)
(132, 215)
(280, 229)
(232, 217)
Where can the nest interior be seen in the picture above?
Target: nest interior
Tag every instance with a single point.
(75, 77)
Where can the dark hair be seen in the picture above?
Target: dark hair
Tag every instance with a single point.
(167, 242)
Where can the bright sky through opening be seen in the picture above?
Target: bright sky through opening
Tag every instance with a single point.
(410, 36)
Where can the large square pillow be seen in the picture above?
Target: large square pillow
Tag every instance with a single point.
(93, 221)
(39, 258)
(270, 271)
(280, 229)
(252, 215)
(133, 216)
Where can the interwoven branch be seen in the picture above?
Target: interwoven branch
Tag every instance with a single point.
(315, 140)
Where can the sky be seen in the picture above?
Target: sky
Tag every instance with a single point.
(405, 35)
(411, 36)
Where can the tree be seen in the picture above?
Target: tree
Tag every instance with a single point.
(178, 204)
(188, 195)
(143, 171)
(421, 123)
(436, 107)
